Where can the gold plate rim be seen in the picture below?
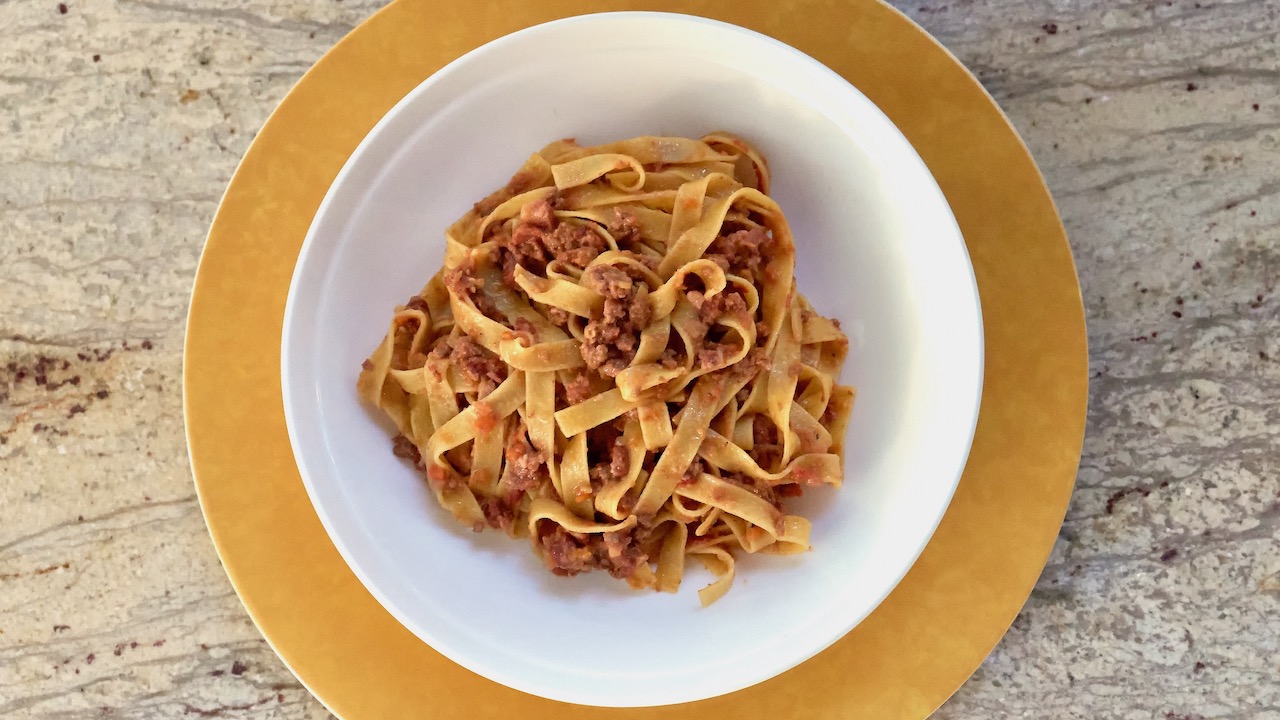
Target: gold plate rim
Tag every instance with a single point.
(1031, 426)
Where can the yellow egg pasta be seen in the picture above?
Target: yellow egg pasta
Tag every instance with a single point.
(614, 362)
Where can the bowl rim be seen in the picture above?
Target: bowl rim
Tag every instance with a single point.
(478, 663)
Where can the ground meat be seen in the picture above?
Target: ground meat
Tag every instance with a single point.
(763, 431)
(627, 503)
(539, 237)
(609, 281)
(538, 214)
(693, 472)
(749, 366)
(523, 327)
(575, 244)
(487, 205)
(650, 261)
(639, 310)
(711, 309)
(624, 226)
(610, 339)
(619, 460)
(721, 261)
(417, 303)
(710, 354)
(478, 364)
(403, 447)
(563, 554)
(498, 513)
(525, 248)
(404, 332)
(670, 359)
(714, 355)
(599, 477)
(463, 282)
(598, 351)
(558, 317)
(416, 359)
(767, 448)
(578, 389)
(619, 553)
(525, 464)
(744, 249)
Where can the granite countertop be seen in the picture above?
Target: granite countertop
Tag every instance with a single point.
(1157, 125)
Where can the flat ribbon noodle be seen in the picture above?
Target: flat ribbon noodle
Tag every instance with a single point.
(615, 362)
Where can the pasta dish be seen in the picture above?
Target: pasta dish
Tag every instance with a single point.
(614, 362)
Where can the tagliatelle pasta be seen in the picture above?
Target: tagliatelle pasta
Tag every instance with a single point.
(614, 362)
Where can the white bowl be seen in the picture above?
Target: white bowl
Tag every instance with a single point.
(877, 247)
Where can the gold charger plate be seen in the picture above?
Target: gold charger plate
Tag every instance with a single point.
(909, 655)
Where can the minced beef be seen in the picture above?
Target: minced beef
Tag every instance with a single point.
(710, 354)
(693, 472)
(650, 261)
(558, 317)
(611, 338)
(624, 226)
(417, 303)
(628, 503)
(749, 366)
(721, 261)
(578, 389)
(714, 354)
(599, 477)
(522, 326)
(538, 214)
(619, 553)
(463, 282)
(525, 464)
(499, 513)
(478, 364)
(539, 237)
(711, 309)
(562, 553)
(524, 248)
(767, 446)
(744, 249)
(403, 447)
(609, 281)
(575, 244)
(619, 460)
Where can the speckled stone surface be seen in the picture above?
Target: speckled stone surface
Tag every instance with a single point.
(1157, 126)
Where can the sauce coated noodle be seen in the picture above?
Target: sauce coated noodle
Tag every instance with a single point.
(614, 362)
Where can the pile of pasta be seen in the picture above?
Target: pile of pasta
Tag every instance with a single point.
(615, 363)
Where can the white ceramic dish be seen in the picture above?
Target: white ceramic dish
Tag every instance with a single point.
(877, 248)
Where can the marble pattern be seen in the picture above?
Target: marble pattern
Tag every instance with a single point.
(1157, 125)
